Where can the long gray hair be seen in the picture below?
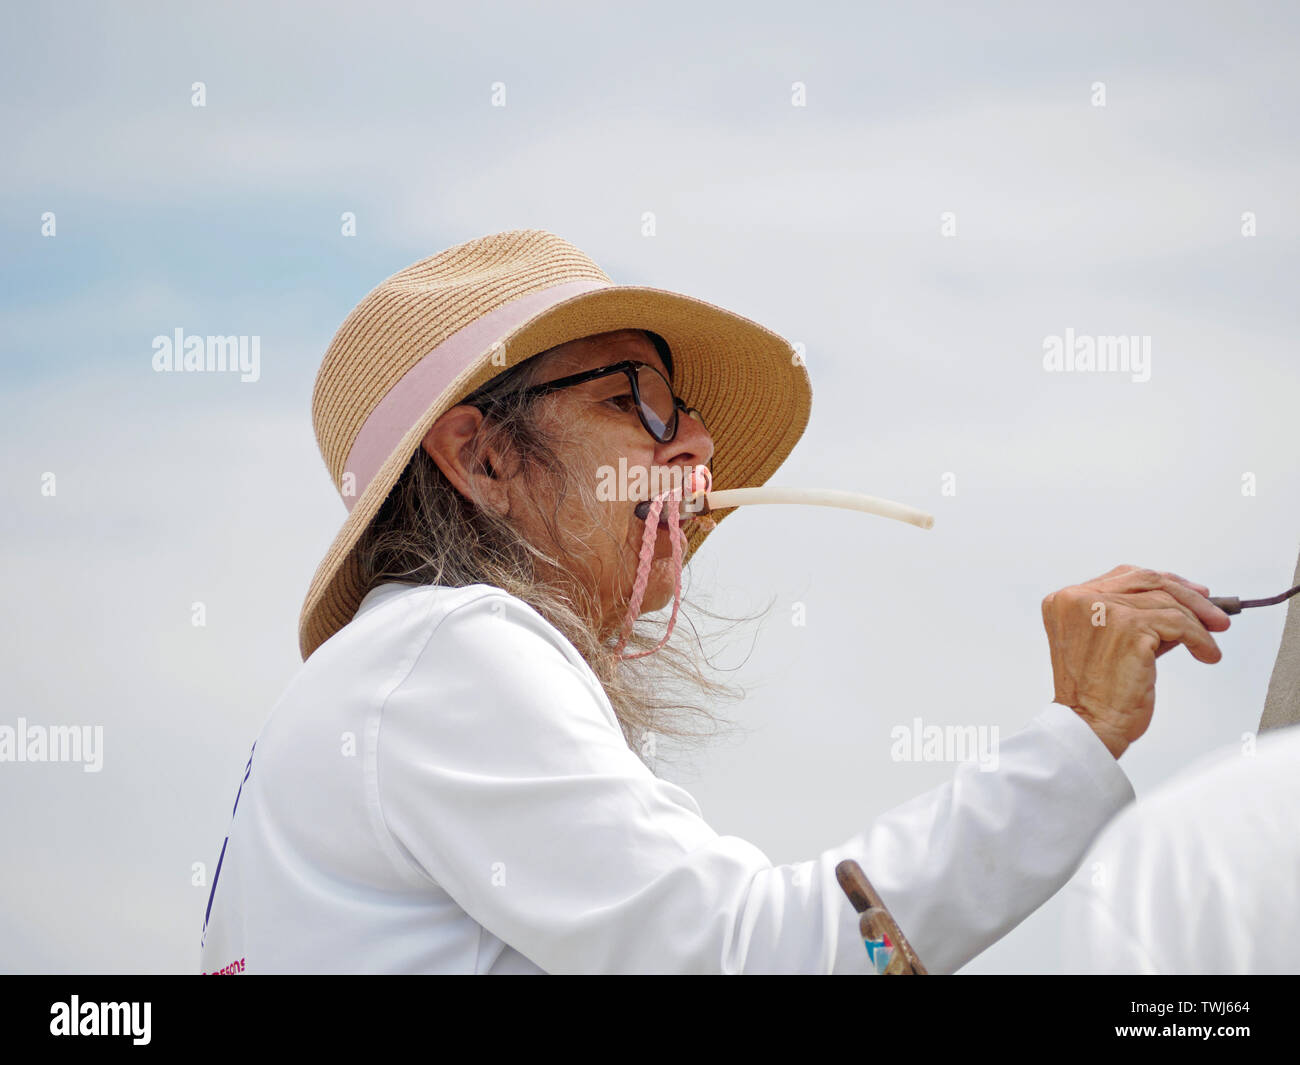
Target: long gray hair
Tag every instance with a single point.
(427, 532)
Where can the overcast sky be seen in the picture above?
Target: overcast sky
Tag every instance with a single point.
(823, 222)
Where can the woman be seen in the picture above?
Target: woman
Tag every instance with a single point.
(453, 782)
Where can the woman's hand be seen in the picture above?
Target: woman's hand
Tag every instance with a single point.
(1105, 636)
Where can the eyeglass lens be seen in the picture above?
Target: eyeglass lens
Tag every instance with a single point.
(657, 403)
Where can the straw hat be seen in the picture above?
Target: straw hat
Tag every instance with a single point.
(433, 333)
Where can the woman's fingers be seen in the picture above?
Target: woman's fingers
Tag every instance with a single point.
(1174, 626)
(1190, 584)
(1135, 579)
(1195, 600)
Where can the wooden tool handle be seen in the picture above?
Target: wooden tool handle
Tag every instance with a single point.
(876, 921)
(855, 884)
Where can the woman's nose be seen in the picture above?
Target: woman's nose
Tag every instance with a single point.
(692, 446)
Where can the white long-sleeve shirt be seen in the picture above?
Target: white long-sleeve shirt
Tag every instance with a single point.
(444, 788)
(1202, 877)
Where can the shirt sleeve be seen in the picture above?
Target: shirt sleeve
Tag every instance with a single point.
(962, 865)
(503, 773)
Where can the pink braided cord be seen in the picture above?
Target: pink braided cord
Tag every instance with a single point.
(698, 480)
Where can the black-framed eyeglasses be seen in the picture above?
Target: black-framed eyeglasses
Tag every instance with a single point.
(656, 403)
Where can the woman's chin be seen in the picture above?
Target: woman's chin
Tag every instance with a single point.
(659, 588)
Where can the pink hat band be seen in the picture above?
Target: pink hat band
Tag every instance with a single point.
(424, 382)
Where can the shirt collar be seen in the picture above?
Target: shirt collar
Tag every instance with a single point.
(381, 594)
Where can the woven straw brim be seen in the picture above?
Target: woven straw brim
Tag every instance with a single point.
(747, 382)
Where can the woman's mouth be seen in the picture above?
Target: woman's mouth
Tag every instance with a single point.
(692, 498)
(642, 511)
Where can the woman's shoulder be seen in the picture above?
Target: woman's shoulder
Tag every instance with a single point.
(403, 617)
(419, 636)
(433, 599)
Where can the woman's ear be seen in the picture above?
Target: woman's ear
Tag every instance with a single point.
(450, 443)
